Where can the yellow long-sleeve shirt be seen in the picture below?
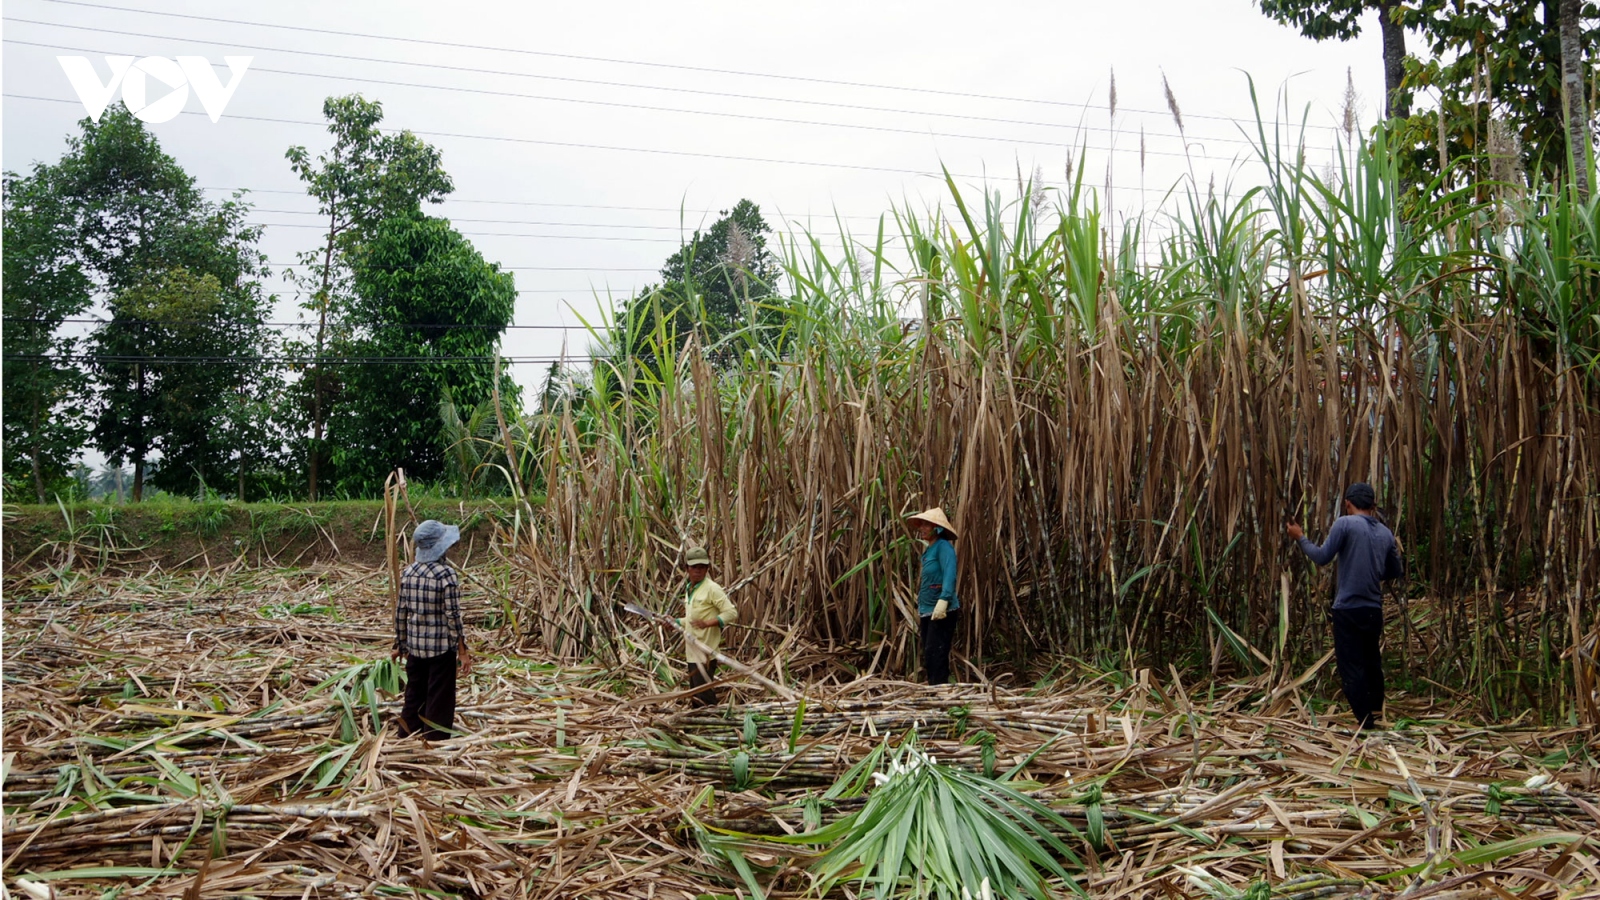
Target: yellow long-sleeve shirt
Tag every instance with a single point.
(706, 601)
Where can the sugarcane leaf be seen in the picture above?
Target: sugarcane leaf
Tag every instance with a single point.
(1488, 854)
(1014, 770)
(101, 872)
(796, 729)
(333, 768)
(1236, 644)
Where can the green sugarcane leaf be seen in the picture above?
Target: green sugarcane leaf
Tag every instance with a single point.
(742, 866)
(1236, 644)
(219, 837)
(372, 707)
(333, 767)
(1488, 854)
(798, 728)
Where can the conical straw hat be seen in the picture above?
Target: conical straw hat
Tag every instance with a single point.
(934, 516)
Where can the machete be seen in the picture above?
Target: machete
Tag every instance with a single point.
(723, 658)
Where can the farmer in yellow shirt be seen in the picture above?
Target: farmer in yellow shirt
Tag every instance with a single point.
(706, 610)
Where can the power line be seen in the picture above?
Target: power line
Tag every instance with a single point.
(573, 145)
(626, 62)
(545, 237)
(501, 268)
(648, 108)
(610, 147)
(452, 198)
(579, 146)
(579, 290)
(453, 219)
(890, 129)
(278, 265)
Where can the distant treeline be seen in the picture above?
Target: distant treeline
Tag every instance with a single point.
(404, 319)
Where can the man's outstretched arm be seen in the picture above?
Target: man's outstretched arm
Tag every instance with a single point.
(1320, 555)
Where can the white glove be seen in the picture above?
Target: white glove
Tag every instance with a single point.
(939, 610)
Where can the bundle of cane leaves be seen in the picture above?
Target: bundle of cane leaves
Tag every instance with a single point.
(933, 830)
(360, 685)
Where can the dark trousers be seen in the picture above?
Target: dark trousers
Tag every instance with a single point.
(1356, 637)
(430, 706)
(936, 639)
(703, 673)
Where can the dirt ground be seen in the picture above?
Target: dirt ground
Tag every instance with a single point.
(213, 733)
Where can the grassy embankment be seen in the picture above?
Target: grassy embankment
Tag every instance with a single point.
(178, 532)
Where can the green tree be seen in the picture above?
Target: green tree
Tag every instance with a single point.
(111, 481)
(714, 285)
(44, 284)
(364, 178)
(129, 198)
(473, 446)
(142, 238)
(426, 317)
(1503, 60)
(172, 362)
(1496, 66)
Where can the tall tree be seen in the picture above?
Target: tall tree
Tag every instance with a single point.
(174, 361)
(364, 178)
(131, 200)
(119, 197)
(1579, 146)
(1503, 59)
(426, 317)
(143, 237)
(714, 285)
(44, 283)
(1489, 60)
(1340, 20)
(151, 322)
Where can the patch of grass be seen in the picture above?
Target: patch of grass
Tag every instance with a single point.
(175, 529)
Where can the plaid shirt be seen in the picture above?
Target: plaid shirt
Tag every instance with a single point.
(427, 620)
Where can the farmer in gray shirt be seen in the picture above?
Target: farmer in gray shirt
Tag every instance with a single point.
(1368, 556)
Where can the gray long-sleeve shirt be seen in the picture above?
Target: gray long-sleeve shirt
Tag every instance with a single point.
(1367, 558)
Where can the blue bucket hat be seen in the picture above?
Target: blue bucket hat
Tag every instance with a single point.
(432, 538)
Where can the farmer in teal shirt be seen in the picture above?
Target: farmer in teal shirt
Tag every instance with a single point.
(938, 608)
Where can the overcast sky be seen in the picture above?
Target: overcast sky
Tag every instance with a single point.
(576, 132)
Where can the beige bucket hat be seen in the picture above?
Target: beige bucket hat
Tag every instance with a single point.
(934, 516)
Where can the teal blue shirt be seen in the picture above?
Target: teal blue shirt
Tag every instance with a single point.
(938, 577)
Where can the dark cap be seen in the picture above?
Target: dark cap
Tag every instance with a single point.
(1361, 496)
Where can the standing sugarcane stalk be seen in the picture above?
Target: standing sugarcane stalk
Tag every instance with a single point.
(392, 486)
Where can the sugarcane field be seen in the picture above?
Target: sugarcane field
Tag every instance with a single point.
(836, 451)
(230, 731)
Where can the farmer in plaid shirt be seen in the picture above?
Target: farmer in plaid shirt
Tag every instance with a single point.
(428, 635)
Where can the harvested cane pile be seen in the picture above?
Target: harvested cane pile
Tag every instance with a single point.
(213, 735)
